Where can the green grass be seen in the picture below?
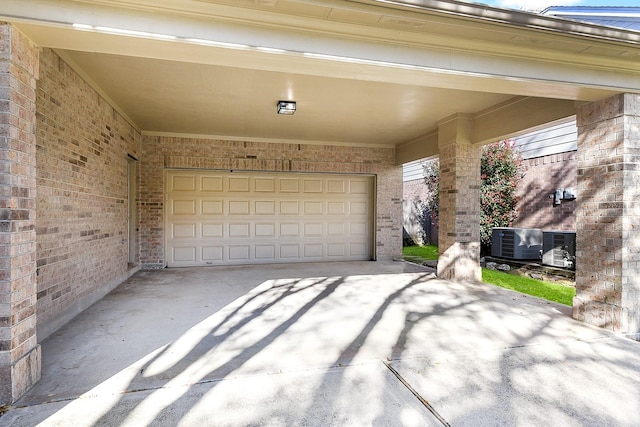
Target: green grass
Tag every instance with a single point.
(537, 288)
(526, 285)
(428, 253)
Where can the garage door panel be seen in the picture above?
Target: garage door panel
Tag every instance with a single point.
(265, 185)
(358, 208)
(184, 231)
(265, 230)
(239, 230)
(290, 229)
(358, 249)
(312, 250)
(336, 229)
(359, 187)
(239, 253)
(239, 207)
(238, 184)
(290, 251)
(211, 184)
(289, 207)
(312, 185)
(184, 183)
(212, 229)
(185, 254)
(312, 208)
(313, 229)
(184, 207)
(337, 208)
(358, 229)
(212, 207)
(289, 185)
(213, 254)
(265, 252)
(265, 207)
(218, 218)
(336, 249)
(336, 186)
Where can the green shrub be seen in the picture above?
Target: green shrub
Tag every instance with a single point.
(501, 171)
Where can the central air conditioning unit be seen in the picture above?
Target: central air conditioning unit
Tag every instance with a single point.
(559, 249)
(516, 243)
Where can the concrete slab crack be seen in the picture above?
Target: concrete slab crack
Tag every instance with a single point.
(422, 400)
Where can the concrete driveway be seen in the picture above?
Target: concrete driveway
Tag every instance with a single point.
(358, 343)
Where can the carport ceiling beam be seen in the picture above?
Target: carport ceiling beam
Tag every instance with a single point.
(517, 116)
(506, 120)
(419, 148)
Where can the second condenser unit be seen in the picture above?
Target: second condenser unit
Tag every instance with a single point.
(559, 249)
(516, 243)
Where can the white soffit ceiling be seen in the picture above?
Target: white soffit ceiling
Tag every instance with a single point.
(169, 96)
(440, 64)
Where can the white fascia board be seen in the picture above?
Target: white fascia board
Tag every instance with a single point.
(97, 28)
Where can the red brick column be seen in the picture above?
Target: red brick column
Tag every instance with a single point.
(19, 349)
(459, 210)
(608, 215)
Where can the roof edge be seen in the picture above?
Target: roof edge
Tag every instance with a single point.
(509, 17)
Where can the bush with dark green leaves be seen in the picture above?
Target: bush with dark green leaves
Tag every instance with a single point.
(501, 171)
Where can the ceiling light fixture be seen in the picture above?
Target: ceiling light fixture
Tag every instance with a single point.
(286, 107)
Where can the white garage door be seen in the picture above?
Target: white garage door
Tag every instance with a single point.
(221, 218)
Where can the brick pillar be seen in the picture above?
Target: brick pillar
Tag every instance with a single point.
(19, 349)
(459, 211)
(608, 215)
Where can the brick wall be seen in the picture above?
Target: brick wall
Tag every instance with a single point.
(414, 190)
(608, 214)
(19, 349)
(81, 226)
(543, 176)
(459, 202)
(161, 152)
